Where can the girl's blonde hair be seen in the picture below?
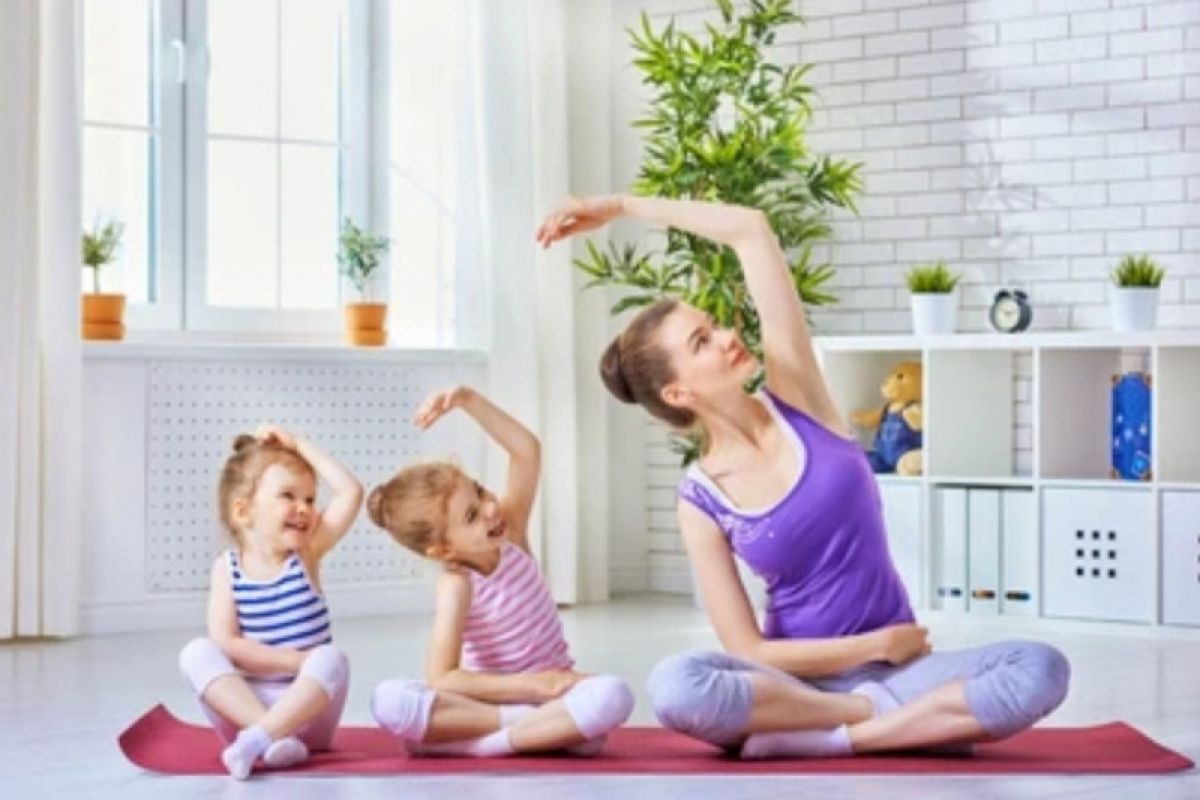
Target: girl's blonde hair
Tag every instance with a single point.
(412, 505)
(244, 469)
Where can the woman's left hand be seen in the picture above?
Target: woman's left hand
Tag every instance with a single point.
(576, 215)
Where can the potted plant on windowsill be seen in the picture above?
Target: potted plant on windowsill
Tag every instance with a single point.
(359, 254)
(1134, 299)
(934, 301)
(102, 313)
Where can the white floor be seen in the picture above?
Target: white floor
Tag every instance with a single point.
(62, 705)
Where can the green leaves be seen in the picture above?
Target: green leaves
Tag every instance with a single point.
(359, 254)
(935, 278)
(1139, 272)
(99, 246)
(724, 124)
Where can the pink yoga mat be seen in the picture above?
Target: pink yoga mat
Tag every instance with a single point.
(161, 743)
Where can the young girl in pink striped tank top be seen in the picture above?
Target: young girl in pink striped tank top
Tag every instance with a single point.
(499, 677)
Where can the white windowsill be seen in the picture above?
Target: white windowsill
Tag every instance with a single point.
(173, 345)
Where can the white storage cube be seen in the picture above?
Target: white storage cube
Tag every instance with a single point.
(1181, 557)
(902, 516)
(1099, 554)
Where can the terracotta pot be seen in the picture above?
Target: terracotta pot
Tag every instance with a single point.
(366, 324)
(103, 316)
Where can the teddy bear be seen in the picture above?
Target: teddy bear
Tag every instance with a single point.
(897, 445)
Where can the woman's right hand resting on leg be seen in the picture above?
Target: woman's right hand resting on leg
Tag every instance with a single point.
(899, 644)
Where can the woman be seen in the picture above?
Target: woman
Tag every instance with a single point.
(839, 667)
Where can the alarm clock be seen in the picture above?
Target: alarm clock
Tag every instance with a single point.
(1010, 311)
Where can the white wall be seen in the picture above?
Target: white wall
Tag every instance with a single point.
(158, 424)
(1028, 143)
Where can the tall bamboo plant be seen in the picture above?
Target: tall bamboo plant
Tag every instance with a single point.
(724, 123)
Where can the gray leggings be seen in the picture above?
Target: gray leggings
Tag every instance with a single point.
(1009, 687)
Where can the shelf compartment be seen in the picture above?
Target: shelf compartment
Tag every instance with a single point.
(1177, 390)
(1074, 398)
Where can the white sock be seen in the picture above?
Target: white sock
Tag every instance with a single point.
(882, 701)
(489, 745)
(240, 755)
(829, 743)
(286, 752)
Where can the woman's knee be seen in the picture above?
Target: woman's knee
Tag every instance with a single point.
(676, 684)
(697, 694)
(1052, 672)
(1031, 682)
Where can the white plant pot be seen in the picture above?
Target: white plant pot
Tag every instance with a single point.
(934, 313)
(1134, 308)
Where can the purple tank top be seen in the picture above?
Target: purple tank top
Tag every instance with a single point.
(822, 548)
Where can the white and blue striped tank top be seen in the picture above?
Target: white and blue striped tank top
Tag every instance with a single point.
(286, 611)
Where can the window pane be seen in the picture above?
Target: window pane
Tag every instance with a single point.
(425, 90)
(116, 185)
(243, 87)
(116, 61)
(415, 264)
(311, 37)
(242, 217)
(309, 226)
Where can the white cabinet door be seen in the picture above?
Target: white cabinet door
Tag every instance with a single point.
(1098, 548)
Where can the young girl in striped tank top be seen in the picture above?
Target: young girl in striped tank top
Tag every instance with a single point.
(499, 676)
(267, 675)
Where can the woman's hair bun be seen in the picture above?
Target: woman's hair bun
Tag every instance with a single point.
(613, 375)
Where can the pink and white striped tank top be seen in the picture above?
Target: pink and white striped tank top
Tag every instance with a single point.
(513, 625)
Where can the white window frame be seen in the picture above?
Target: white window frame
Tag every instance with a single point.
(356, 191)
(165, 309)
(180, 68)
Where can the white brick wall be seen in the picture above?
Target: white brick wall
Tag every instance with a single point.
(1029, 143)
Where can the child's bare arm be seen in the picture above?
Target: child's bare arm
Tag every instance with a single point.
(343, 507)
(442, 670)
(254, 658)
(524, 450)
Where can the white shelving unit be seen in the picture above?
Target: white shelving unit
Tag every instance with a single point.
(1016, 513)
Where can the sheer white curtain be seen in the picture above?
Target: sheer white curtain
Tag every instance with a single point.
(40, 360)
(520, 88)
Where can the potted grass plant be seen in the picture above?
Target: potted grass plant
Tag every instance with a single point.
(103, 313)
(1134, 298)
(724, 122)
(359, 254)
(934, 300)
